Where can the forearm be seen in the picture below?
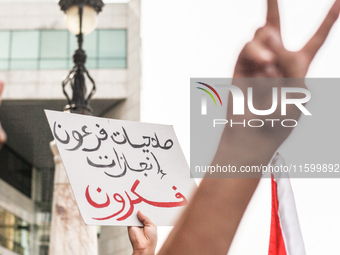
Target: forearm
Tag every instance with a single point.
(209, 224)
(210, 221)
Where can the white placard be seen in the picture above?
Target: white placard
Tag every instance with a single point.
(118, 167)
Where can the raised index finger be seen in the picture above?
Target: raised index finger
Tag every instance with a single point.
(273, 16)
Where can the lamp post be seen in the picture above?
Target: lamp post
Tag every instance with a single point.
(81, 19)
(69, 234)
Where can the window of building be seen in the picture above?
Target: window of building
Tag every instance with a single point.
(14, 233)
(53, 49)
(15, 170)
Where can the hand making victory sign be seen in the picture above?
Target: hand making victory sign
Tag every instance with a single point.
(210, 221)
(266, 57)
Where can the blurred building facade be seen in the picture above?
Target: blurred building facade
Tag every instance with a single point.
(35, 55)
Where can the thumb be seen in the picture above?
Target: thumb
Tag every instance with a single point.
(144, 219)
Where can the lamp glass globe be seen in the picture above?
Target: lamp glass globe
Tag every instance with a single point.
(89, 22)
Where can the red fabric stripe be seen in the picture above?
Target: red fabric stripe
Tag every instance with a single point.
(276, 243)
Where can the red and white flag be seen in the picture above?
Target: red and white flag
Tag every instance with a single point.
(285, 233)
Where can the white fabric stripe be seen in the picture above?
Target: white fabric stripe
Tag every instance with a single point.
(287, 211)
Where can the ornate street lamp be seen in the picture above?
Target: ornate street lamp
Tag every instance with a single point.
(71, 236)
(81, 19)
